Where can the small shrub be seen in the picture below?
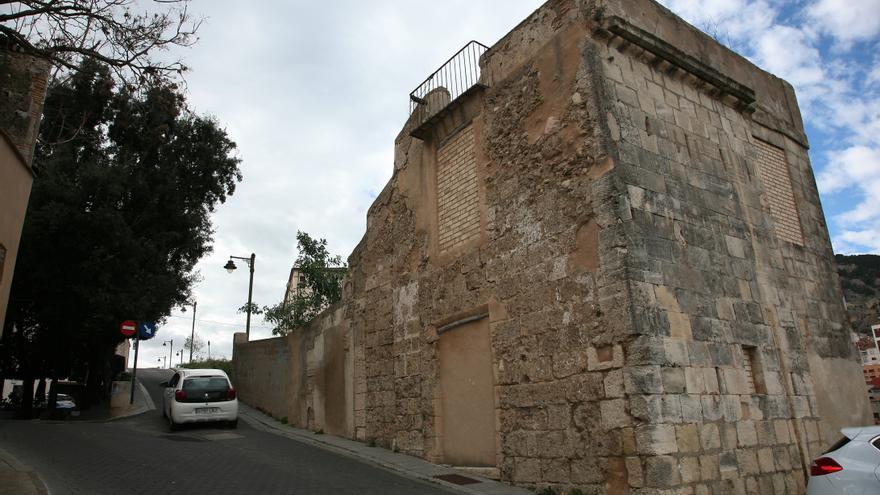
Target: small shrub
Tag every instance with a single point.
(284, 420)
(546, 491)
(371, 442)
(320, 431)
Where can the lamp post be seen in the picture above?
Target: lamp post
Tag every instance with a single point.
(209, 350)
(192, 336)
(230, 267)
(158, 361)
(170, 351)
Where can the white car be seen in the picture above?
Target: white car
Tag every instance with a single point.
(65, 402)
(851, 466)
(196, 396)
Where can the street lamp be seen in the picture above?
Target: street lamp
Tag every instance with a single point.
(180, 354)
(230, 267)
(209, 350)
(192, 337)
(170, 350)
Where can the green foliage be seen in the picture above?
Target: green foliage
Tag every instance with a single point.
(322, 275)
(118, 218)
(214, 364)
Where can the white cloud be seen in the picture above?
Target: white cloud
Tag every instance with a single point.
(846, 20)
(790, 53)
(858, 241)
(852, 167)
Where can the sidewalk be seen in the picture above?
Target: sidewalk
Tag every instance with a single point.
(402, 464)
(104, 411)
(16, 479)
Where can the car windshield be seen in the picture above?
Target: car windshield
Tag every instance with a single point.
(203, 384)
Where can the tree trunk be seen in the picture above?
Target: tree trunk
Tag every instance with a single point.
(27, 398)
(40, 395)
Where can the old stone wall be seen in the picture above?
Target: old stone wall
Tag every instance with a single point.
(627, 210)
(738, 311)
(305, 377)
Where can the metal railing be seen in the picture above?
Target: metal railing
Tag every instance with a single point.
(457, 75)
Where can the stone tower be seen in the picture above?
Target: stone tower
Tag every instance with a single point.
(604, 265)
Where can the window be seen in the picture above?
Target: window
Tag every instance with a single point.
(754, 374)
(174, 379)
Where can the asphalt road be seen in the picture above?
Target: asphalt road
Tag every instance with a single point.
(139, 455)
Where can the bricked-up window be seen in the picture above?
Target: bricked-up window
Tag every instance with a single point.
(774, 173)
(754, 374)
(458, 209)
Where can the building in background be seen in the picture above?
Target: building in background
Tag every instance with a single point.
(869, 351)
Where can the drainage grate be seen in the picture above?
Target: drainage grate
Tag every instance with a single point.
(179, 438)
(457, 479)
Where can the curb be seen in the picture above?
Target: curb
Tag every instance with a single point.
(149, 405)
(33, 477)
(401, 464)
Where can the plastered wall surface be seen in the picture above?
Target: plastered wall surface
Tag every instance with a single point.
(652, 329)
(23, 83)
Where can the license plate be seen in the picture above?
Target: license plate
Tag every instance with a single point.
(207, 410)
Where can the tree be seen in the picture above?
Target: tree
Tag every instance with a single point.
(114, 32)
(322, 275)
(196, 345)
(117, 220)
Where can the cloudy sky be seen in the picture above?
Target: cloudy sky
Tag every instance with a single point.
(314, 94)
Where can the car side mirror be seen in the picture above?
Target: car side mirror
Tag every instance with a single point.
(163, 385)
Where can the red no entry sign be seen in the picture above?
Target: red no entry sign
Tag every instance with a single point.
(128, 328)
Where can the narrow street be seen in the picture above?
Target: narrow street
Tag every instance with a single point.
(139, 455)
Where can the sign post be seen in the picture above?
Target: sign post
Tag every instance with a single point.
(134, 370)
(129, 329)
(145, 330)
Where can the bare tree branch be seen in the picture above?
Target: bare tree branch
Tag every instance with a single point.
(120, 33)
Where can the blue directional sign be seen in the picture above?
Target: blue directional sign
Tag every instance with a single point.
(146, 330)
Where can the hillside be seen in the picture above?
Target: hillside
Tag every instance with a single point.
(860, 279)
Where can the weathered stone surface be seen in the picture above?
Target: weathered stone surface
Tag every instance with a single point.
(621, 240)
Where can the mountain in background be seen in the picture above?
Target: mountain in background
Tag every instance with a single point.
(860, 279)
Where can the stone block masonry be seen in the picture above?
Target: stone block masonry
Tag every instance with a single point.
(628, 209)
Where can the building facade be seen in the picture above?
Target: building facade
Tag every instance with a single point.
(602, 265)
(23, 80)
